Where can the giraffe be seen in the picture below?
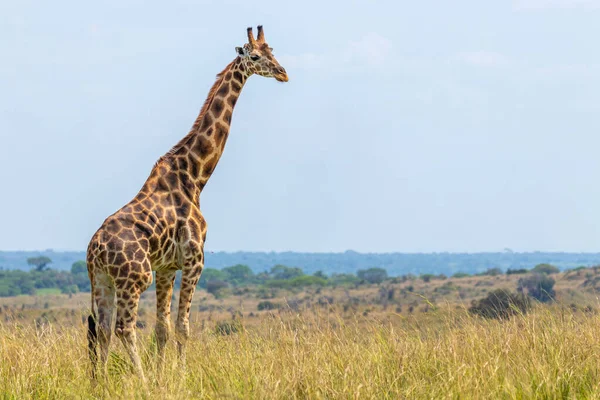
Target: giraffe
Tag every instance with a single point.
(162, 229)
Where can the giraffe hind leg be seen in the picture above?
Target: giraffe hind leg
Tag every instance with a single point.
(104, 295)
(128, 297)
(92, 336)
(164, 292)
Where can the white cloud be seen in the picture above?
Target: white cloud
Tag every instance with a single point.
(543, 4)
(484, 59)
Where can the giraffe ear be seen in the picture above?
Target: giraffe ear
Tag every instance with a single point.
(239, 50)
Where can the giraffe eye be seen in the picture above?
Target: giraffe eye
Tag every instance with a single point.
(254, 57)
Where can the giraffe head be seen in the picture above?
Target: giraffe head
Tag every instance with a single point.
(257, 57)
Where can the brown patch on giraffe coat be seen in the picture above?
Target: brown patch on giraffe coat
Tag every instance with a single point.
(202, 147)
(194, 168)
(221, 133)
(217, 107)
(119, 259)
(227, 116)
(147, 203)
(224, 89)
(171, 179)
(206, 122)
(177, 199)
(143, 228)
(182, 163)
(209, 166)
(232, 100)
(113, 226)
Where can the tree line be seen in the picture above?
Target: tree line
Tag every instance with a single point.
(220, 281)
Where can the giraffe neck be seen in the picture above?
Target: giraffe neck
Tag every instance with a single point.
(197, 154)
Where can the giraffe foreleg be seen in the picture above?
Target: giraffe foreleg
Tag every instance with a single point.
(164, 293)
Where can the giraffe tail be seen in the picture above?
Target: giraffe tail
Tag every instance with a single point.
(92, 333)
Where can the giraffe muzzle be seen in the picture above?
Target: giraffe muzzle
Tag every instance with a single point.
(281, 75)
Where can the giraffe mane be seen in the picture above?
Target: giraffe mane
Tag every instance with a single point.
(209, 99)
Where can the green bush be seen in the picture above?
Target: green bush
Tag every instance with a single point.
(268, 305)
(545, 269)
(538, 286)
(461, 275)
(491, 272)
(372, 275)
(516, 271)
(216, 287)
(228, 327)
(500, 304)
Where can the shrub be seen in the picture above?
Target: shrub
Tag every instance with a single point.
(491, 272)
(343, 279)
(500, 304)
(282, 272)
(228, 327)
(545, 269)
(516, 271)
(238, 274)
(307, 280)
(372, 275)
(460, 275)
(215, 287)
(538, 286)
(268, 305)
(211, 274)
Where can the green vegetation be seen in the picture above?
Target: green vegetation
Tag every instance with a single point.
(501, 304)
(349, 261)
(14, 283)
(545, 269)
(549, 353)
(538, 286)
(39, 263)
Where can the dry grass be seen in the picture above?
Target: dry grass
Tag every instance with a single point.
(550, 353)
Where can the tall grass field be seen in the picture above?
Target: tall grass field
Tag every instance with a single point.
(550, 353)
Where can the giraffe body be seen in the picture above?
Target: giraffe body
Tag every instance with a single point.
(162, 229)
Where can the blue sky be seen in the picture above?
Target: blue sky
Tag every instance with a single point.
(405, 126)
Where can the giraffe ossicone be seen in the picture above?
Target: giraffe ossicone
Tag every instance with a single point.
(162, 229)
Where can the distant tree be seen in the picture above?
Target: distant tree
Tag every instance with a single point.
(500, 304)
(492, 272)
(238, 274)
(283, 272)
(71, 289)
(546, 269)
(343, 279)
(460, 275)
(426, 277)
(307, 280)
(215, 287)
(210, 274)
(538, 286)
(320, 274)
(79, 267)
(516, 271)
(267, 305)
(372, 275)
(39, 263)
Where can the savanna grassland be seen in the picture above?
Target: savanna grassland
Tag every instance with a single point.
(412, 338)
